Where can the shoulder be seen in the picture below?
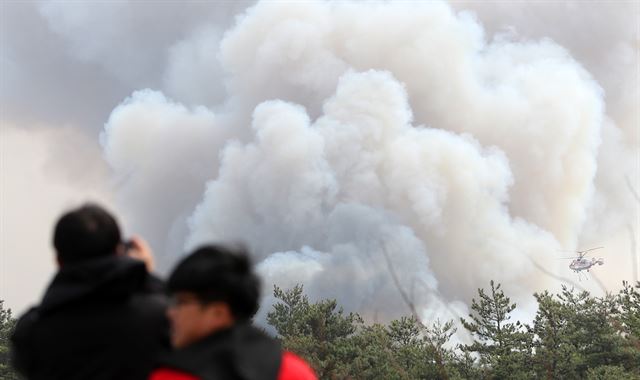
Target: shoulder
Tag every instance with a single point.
(25, 324)
(293, 367)
(154, 284)
(151, 298)
(21, 341)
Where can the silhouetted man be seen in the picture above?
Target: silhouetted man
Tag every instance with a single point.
(215, 295)
(103, 316)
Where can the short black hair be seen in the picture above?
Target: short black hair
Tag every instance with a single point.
(85, 233)
(219, 273)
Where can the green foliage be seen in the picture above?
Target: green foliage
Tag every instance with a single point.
(7, 323)
(340, 346)
(629, 316)
(320, 332)
(573, 336)
(555, 349)
(610, 372)
(504, 347)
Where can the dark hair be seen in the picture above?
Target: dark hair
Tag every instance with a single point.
(85, 233)
(219, 273)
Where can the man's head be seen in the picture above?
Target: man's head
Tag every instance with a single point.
(85, 233)
(212, 288)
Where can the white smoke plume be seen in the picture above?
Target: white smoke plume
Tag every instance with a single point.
(64, 66)
(605, 38)
(384, 138)
(357, 147)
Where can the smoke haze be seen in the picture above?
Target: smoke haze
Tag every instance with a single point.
(356, 147)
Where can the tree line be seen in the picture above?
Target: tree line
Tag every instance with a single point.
(574, 336)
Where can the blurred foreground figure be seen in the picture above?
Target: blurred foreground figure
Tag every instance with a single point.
(103, 316)
(215, 295)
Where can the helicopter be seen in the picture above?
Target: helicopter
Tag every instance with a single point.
(580, 263)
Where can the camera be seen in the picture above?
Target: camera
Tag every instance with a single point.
(128, 245)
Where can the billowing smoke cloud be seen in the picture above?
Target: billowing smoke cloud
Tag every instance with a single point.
(64, 66)
(609, 49)
(357, 147)
(391, 146)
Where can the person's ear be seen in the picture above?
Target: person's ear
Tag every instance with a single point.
(215, 309)
(219, 313)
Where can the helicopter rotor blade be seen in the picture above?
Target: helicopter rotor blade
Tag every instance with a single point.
(581, 252)
(591, 249)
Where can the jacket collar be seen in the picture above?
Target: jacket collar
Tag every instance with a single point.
(240, 352)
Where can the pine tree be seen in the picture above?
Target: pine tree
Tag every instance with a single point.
(7, 324)
(629, 302)
(420, 349)
(504, 347)
(436, 337)
(575, 335)
(590, 331)
(555, 351)
(320, 332)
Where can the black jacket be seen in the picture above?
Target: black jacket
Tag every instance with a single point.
(99, 319)
(239, 353)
